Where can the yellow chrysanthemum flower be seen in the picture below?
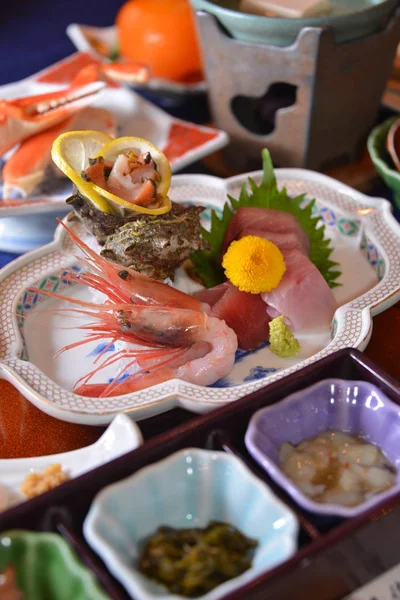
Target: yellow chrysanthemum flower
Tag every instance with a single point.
(254, 264)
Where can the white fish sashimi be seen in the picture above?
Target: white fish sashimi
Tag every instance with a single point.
(303, 297)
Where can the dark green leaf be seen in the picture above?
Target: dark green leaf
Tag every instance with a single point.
(266, 195)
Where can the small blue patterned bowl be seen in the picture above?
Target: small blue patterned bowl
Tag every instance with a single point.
(188, 489)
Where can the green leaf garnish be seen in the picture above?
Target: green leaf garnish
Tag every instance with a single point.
(114, 53)
(207, 263)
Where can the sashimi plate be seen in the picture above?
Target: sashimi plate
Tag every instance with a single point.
(182, 142)
(121, 436)
(366, 241)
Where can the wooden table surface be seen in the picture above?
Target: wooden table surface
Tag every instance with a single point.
(26, 431)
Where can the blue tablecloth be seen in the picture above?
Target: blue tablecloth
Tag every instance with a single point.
(6, 257)
(32, 32)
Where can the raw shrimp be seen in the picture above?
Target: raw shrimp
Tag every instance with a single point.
(169, 333)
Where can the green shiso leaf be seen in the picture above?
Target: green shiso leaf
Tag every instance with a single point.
(207, 263)
(114, 53)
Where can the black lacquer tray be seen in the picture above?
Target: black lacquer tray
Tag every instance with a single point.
(335, 556)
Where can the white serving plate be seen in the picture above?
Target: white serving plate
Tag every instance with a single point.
(134, 115)
(122, 436)
(82, 37)
(366, 238)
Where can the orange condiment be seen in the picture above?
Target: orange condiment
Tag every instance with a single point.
(160, 34)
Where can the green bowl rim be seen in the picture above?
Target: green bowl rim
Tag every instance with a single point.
(278, 21)
(374, 151)
(72, 561)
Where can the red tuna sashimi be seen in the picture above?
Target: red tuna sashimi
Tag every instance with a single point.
(284, 241)
(244, 313)
(303, 296)
(266, 220)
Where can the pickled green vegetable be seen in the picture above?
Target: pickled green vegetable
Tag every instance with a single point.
(191, 562)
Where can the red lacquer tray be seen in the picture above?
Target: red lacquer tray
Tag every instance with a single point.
(335, 556)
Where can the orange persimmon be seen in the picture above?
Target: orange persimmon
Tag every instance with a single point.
(160, 34)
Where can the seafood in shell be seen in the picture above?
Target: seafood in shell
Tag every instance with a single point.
(154, 245)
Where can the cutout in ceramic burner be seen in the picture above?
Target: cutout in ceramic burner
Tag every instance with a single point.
(258, 115)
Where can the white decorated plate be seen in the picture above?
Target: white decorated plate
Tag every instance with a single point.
(121, 436)
(183, 143)
(87, 39)
(366, 241)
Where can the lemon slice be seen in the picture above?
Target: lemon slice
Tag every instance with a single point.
(137, 145)
(71, 152)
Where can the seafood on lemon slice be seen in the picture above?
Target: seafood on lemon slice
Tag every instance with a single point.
(121, 176)
(26, 168)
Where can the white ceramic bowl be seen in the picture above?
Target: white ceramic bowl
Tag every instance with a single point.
(120, 437)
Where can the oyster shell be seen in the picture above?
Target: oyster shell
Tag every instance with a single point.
(157, 245)
(154, 245)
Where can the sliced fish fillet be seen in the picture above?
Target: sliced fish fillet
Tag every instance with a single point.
(303, 297)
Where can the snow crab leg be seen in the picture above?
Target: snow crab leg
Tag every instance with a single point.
(23, 117)
(25, 169)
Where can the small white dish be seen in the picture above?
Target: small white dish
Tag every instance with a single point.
(121, 436)
(366, 242)
(188, 489)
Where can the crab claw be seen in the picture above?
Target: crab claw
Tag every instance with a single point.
(23, 117)
(26, 168)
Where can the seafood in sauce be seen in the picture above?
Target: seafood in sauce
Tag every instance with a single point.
(338, 468)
